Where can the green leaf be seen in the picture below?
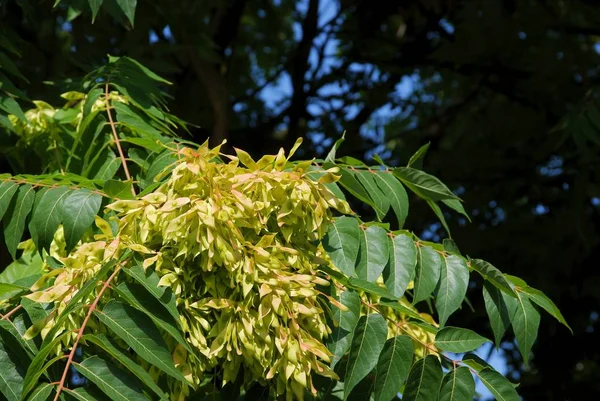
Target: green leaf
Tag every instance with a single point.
(370, 287)
(11, 374)
(111, 380)
(95, 7)
(20, 208)
(140, 334)
(107, 345)
(493, 275)
(539, 298)
(381, 203)
(331, 155)
(475, 362)
(368, 341)
(396, 194)
(8, 291)
(7, 190)
(23, 271)
(162, 162)
(341, 243)
(404, 309)
(137, 296)
(373, 253)
(341, 336)
(46, 216)
(427, 272)
(457, 206)
(41, 392)
(450, 246)
(452, 287)
(118, 189)
(36, 367)
(458, 340)
(498, 385)
(88, 393)
(426, 186)
(458, 385)
(78, 211)
(128, 7)
(416, 160)
(349, 182)
(149, 279)
(525, 323)
(440, 215)
(497, 311)
(392, 367)
(10, 105)
(400, 269)
(424, 380)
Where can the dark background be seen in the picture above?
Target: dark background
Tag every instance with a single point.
(505, 91)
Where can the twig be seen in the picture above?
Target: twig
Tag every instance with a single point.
(116, 138)
(10, 313)
(61, 384)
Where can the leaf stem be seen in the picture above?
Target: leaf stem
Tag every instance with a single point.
(61, 384)
(11, 312)
(116, 137)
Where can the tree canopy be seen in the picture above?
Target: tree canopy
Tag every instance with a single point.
(504, 92)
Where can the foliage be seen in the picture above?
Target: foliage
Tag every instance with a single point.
(180, 271)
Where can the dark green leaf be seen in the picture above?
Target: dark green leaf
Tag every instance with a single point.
(426, 186)
(392, 368)
(118, 189)
(10, 105)
(95, 7)
(149, 279)
(400, 269)
(497, 311)
(111, 380)
(493, 275)
(11, 373)
(498, 385)
(46, 216)
(88, 393)
(427, 272)
(371, 288)
(368, 341)
(341, 336)
(542, 300)
(78, 211)
(19, 210)
(107, 345)
(452, 287)
(137, 296)
(424, 380)
(416, 160)
(458, 340)
(380, 203)
(440, 215)
(458, 385)
(525, 323)
(373, 253)
(42, 392)
(350, 183)
(331, 155)
(7, 190)
(139, 333)
(457, 206)
(128, 7)
(341, 243)
(396, 194)
(475, 362)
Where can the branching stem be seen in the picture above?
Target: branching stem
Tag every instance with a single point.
(61, 384)
(116, 137)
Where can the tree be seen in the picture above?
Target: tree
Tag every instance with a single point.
(456, 74)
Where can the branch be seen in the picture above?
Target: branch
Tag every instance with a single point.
(116, 137)
(61, 384)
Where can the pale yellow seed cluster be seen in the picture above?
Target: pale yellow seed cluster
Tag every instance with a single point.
(238, 246)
